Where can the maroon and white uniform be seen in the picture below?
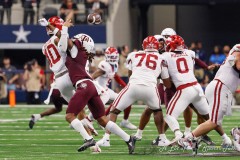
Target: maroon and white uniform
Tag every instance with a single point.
(57, 59)
(86, 91)
(219, 91)
(146, 68)
(180, 68)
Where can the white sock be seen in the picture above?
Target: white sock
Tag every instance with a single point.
(36, 117)
(125, 121)
(139, 132)
(224, 136)
(187, 129)
(114, 128)
(172, 123)
(77, 125)
(162, 136)
(106, 136)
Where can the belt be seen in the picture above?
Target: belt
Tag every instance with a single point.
(61, 74)
(186, 85)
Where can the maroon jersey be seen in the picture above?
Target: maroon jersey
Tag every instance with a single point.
(76, 66)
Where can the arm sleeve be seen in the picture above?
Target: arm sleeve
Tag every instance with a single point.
(201, 63)
(119, 80)
(63, 41)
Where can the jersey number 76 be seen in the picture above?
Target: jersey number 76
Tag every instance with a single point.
(150, 60)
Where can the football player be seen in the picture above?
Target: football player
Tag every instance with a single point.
(103, 75)
(144, 69)
(80, 50)
(56, 55)
(180, 64)
(219, 94)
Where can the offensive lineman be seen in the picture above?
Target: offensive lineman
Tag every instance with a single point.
(144, 69)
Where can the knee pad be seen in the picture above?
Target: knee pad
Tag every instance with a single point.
(115, 111)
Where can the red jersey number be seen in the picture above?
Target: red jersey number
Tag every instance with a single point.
(150, 61)
(184, 68)
(52, 54)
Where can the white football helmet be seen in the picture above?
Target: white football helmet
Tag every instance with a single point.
(159, 37)
(236, 48)
(168, 32)
(87, 42)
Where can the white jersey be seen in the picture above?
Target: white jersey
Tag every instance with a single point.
(109, 70)
(146, 67)
(55, 57)
(180, 67)
(227, 75)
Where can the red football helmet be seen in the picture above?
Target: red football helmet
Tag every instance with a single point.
(150, 43)
(175, 43)
(112, 55)
(56, 22)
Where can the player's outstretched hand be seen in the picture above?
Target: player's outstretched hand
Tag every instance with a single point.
(211, 67)
(68, 23)
(43, 22)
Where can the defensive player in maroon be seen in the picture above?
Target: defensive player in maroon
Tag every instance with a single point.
(80, 50)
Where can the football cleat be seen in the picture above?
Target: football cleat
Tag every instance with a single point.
(177, 137)
(95, 149)
(104, 142)
(161, 142)
(31, 122)
(226, 142)
(207, 140)
(127, 124)
(131, 144)
(87, 144)
(235, 132)
(185, 143)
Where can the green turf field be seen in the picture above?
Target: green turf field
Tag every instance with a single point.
(51, 138)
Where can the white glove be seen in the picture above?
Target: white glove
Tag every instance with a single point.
(43, 22)
(235, 48)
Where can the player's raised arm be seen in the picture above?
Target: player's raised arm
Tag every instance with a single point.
(64, 41)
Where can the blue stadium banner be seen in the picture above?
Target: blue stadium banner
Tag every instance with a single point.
(33, 36)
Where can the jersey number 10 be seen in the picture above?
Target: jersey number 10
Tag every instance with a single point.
(150, 60)
(52, 54)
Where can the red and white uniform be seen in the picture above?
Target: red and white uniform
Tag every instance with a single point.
(219, 91)
(180, 68)
(146, 68)
(104, 80)
(57, 59)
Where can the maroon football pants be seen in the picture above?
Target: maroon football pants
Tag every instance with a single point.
(86, 94)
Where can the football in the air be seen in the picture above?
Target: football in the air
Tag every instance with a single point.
(94, 18)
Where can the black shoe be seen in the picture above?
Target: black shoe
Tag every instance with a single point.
(87, 144)
(155, 141)
(131, 144)
(207, 140)
(31, 122)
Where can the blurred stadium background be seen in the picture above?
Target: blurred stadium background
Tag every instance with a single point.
(209, 27)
